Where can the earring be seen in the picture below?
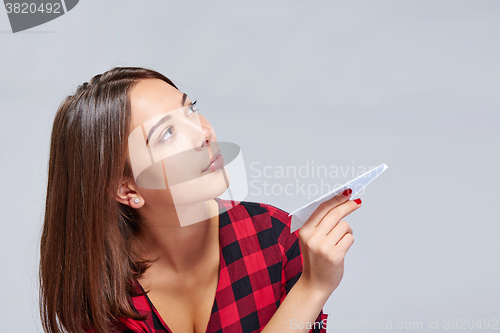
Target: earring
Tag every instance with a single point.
(136, 200)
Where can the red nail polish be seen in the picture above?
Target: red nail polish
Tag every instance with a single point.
(358, 201)
(347, 192)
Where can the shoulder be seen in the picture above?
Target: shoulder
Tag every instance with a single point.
(248, 209)
(264, 218)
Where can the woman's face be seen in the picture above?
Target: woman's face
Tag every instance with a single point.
(171, 147)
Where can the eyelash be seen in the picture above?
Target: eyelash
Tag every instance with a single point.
(192, 107)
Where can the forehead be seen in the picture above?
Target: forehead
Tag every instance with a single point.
(152, 97)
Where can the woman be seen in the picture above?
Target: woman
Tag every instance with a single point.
(136, 240)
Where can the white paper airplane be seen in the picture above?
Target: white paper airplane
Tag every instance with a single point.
(301, 215)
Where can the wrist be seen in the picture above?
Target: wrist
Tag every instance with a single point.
(312, 291)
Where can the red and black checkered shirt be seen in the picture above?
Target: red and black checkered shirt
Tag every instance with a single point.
(260, 262)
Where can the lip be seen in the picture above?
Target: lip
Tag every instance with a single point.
(216, 163)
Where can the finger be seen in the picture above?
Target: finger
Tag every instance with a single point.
(326, 206)
(333, 217)
(344, 244)
(337, 233)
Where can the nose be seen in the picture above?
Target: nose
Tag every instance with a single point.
(207, 135)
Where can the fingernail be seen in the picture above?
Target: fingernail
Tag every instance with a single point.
(358, 201)
(347, 192)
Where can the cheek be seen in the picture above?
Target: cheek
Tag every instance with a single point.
(185, 167)
(156, 197)
(183, 171)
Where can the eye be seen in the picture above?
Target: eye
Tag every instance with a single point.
(169, 132)
(192, 108)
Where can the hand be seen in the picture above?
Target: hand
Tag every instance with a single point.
(324, 240)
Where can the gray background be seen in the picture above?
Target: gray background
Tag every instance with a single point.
(413, 84)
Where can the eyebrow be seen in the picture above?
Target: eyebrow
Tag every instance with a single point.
(162, 120)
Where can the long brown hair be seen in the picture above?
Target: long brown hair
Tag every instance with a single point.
(87, 264)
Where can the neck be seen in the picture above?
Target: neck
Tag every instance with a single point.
(180, 245)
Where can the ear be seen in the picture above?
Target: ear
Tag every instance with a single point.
(128, 195)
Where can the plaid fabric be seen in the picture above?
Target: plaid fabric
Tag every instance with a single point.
(260, 263)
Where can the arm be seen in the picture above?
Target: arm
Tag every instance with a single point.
(299, 303)
(319, 261)
(298, 311)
